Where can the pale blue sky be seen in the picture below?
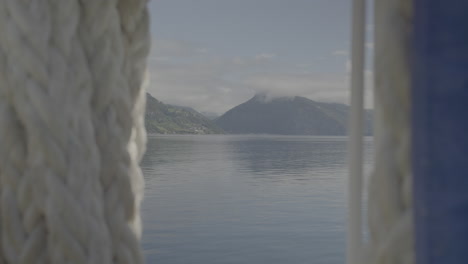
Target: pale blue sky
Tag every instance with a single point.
(215, 54)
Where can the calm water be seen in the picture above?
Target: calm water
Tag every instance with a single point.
(245, 199)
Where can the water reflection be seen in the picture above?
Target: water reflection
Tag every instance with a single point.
(272, 158)
(244, 199)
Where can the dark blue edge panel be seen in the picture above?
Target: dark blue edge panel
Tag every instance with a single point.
(440, 130)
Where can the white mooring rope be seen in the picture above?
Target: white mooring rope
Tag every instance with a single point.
(354, 238)
(71, 130)
(390, 206)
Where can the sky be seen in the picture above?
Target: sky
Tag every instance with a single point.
(215, 54)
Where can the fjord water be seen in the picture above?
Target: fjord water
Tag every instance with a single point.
(245, 199)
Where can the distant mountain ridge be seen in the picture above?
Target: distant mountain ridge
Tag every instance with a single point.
(163, 118)
(289, 116)
(210, 115)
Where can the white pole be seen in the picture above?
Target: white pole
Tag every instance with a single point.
(354, 236)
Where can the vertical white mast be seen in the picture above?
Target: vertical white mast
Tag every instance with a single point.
(354, 236)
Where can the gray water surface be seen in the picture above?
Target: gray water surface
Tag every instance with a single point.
(245, 199)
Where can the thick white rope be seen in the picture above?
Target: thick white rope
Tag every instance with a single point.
(354, 237)
(390, 206)
(71, 130)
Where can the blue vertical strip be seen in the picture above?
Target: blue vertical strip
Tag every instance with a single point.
(440, 130)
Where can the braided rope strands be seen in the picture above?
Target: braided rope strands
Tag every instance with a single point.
(71, 130)
(390, 205)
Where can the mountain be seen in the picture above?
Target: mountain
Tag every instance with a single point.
(210, 115)
(190, 109)
(288, 116)
(162, 118)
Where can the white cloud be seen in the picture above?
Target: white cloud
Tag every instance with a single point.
(202, 50)
(265, 56)
(340, 53)
(321, 87)
(174, 48)
(368, 84)
(206, 85)
(304, 65)
(212, 83)
(348, 66)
